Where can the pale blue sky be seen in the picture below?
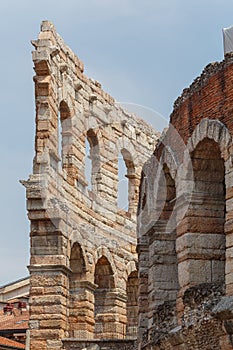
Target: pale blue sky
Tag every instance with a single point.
(143, 52)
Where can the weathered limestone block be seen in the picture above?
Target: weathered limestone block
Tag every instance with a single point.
(81, 241)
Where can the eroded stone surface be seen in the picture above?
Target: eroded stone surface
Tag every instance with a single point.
(83, 246)
(185, 222)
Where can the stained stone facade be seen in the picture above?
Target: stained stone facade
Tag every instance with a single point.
(88, 288)
(83, 267)
(185, 222)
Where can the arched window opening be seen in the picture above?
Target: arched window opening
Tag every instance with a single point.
(142, 192)
(64, 127)
(163, 283)
(77, 266)
(64, 111)
(126, 195)
(88, 165)
(103, 274)
(122, 194)
(92, 165)
(59, 140)
(80, 295)
(104, 302)
(132, 305)
(167, 193)
(207, 213)
(144, 200)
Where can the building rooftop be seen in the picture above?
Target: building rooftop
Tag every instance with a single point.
(16, 321)
(14, 282)
(10, 344)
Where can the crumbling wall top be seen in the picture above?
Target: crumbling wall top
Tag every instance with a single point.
(200, 81)
(51, 51)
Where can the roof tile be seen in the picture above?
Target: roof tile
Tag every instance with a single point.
(15, 321)
(12, 343)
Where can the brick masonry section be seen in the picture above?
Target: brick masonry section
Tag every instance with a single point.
(185, 222)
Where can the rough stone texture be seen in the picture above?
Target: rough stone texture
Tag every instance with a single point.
(185, 222)
(83, 246)
(224, 309)
(104, 344)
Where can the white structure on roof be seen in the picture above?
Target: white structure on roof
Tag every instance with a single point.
(228, 39)
(15, 290)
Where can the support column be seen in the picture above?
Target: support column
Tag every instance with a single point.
(200, 244)
(81, 317)
(143, 303)
(110, 315)
(48, 306)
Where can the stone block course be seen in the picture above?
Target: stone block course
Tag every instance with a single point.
(201, 226)
(78, 233)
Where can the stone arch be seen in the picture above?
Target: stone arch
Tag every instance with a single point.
(152, 199)
(143, 192)
(163, 284)
(126, 153)
(69, 102)
(201, 242)
(128, 158)
(132, 287)
(214, 130)
(147, 215)
(104, 299)
(130, 267)
(104, 277)
(66, 112)
(168, 157)
(77, 237)
(81, 296)
(93, 155)
(64, 129)
(167, 187)
(77, 262)
(166, 194)
(104, 251)
(66, 147)
(90, 123)
(126, 181)
(124, 143)
(64, 109)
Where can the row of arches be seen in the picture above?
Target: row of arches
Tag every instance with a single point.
(99, 307)
(93, 160)
(125, 166)
(186, 220)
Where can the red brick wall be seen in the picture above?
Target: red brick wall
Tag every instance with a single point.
(210, 96)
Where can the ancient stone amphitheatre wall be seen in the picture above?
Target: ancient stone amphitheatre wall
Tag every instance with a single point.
(185, 223)
(83, 264)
